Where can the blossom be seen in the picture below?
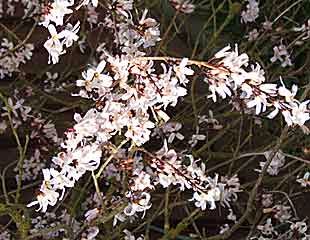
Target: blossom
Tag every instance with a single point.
(95, 78)
(251, 13)
(151, 32)
(280, 52)
(59, 8)
(277, 162)
(46, 196)
(181, 71)
(267, 228)
(140, 205)
(53, 45)
(130, 236)
(201, 199)
(300, 227)
(289, 95)
(282, 212)
(82, 159)
(184, 6)
(305, 180)
(91, 214)
(171, 129)
(259, 102)
(300, 113)
(70, 34)
(57, 180)
(141, 181)
(122, 7)
(218, 86)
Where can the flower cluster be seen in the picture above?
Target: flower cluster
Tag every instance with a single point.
(11, 57)
(65, 38)
(251, 13)
(42, 134)
(277, 162)
(281, 215)
(280, 53)
(229, 74)
(11, 8)
(130, 92)
(167, 168)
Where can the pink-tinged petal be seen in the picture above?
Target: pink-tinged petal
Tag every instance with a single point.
(294, 89)
(32, 203)
(46, 174)
(258, 108)
(52, 30)
(95, 3)
(90, 74)
(273, 114)
(100, 66)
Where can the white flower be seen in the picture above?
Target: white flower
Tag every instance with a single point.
(59, 8)
(282, 213)
(280, 52)
(259, 102)
(91, 214)
(305, 180)
(130, 236)
(300, 113)
(231, 59)
(53, 45)
(289, 95)
(165, 180)
(276, 164)
(119, 217)
(138, 130)
(300, 227)
(57, 180)
(70, 34)
(195, 138)
(95, 78)
(171, 129)
(181, 71)
(184, 6)
(260, 99)
(219, 86)
(267, 229)
(151, 32)
(3, 126)
(142, 181)
(251, 13)
(85, 158)
(267, 25)
(46, 196)
(140, 205)
(210, 197)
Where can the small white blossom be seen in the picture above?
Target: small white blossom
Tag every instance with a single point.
(251, 13)
(305, 180)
